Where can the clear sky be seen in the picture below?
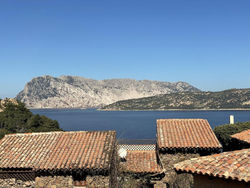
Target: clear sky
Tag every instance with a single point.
(203, 42)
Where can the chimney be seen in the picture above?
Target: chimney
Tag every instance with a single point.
(231, 119)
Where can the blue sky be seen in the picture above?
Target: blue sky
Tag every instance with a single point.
(203, 42)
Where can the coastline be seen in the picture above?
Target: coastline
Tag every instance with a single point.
(226, 109)
(61, 108)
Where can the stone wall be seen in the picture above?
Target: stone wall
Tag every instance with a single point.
(132, 181)
(12, 183)
(97, 181)
(54, 181)
(172, 179)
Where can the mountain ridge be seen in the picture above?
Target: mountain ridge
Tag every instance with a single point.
(79, 92)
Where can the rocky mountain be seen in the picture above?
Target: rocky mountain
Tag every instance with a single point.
(228, 99)
(79, 92)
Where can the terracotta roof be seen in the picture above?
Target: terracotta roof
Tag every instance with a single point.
(244, 136)
(58, 150)
(143, 162)
(185, 133)
(229, 165)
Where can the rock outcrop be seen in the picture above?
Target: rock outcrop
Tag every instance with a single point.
(78, 92)
(6, 101)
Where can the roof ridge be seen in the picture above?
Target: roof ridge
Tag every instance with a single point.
(181, 119)
(247, 130)
(52, 132)
(214, 155)
(32, 133)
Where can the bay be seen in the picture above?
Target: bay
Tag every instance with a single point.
(133, 124)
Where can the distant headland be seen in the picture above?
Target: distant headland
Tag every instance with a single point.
(126, 94)
(234, 99)
(79, 92)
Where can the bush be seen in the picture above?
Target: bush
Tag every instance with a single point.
(224, 133)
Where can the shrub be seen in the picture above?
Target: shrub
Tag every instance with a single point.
(224, 133)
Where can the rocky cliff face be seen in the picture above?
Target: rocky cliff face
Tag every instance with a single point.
(78, 92)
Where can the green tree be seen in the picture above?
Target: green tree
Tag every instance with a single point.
(16, 118)
(39, 123)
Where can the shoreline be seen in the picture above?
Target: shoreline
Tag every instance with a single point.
(226, 109)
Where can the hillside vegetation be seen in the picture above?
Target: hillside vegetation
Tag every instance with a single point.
(228, 99)
(16, 118)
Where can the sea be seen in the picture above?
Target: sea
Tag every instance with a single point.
(133, 124)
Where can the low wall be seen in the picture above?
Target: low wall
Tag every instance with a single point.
(54, 181)
(97, 181)
(12, 182)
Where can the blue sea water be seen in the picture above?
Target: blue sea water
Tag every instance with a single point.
(132, 124)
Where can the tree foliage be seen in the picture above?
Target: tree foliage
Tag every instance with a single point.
(224, 133)
(16, 118)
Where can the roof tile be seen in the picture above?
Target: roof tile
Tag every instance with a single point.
(185, 133)
(143, 162)
(243, 136)
(229, 165)
(57, 150)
